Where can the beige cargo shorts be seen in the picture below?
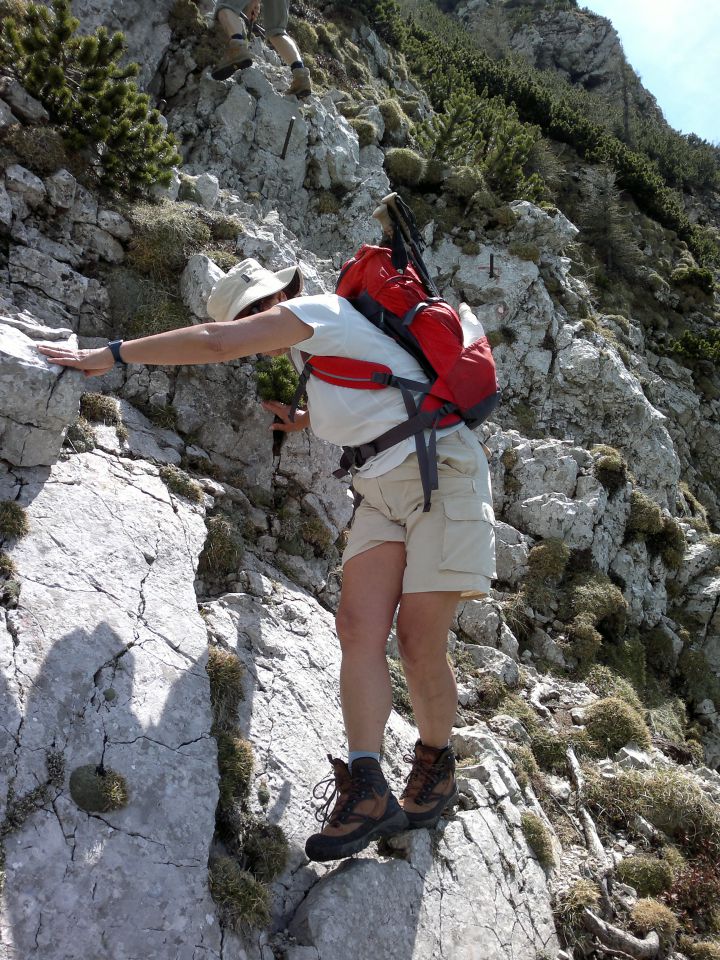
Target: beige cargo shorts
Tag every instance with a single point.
(452, 546)
(274, 13)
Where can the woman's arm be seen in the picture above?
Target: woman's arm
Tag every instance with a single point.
(273, 329)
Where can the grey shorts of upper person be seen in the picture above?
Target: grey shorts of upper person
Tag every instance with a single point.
(274, 13)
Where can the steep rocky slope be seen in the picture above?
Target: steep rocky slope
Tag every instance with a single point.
(162, 532)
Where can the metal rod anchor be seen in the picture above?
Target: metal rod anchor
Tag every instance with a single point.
(287, 138)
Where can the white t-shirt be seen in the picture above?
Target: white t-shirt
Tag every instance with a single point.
(342, 415)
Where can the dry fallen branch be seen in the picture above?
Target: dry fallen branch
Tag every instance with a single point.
(621, 940)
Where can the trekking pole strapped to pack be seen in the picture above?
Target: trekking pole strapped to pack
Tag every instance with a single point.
(393, 289)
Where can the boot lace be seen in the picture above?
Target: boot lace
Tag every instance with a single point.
(424, 777)
(328, 791)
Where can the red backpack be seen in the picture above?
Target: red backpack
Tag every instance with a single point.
(401, 300)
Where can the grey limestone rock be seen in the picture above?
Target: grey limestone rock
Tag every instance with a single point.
(21, 103)
(61, 187)
(20, 180)
(103, 662)
(196, 283)
(37, 401)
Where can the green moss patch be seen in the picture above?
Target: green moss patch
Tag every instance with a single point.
(223, 550)
(181, 484)
(243, 902)
(648, 875)
(94, 788)
(612, 723)
(226, 673)
(648, 915)
(14, 522)
(404, 166)
(538, 839)
(80, 436)
(235, 763)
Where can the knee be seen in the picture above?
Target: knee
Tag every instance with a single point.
(409, 648)
(349, 629)
(359, 634)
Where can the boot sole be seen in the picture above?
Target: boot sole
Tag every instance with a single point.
(432, 822)
(396, 824)
(224, 73)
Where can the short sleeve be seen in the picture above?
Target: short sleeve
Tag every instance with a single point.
(327, 315)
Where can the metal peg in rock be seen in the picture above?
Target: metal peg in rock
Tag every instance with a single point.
(287, 138)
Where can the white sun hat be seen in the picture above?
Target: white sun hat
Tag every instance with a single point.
(247, 283)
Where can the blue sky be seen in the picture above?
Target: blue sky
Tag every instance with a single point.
(675, 47)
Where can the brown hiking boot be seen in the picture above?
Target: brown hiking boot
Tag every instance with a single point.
(300, 86)
(430, 787)
(237, 57)
(364, 810)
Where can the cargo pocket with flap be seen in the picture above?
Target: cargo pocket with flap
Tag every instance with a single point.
(468, 536)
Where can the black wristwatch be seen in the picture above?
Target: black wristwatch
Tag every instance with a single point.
(114, 347)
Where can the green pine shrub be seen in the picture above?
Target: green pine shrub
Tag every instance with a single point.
(648, 875)
(445, 57)
(93, 99)
(472, 129)
(698, 346)
(690, 275)
(277, 379)
(611, 723)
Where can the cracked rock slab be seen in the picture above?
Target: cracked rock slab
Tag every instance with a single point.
(104, 661)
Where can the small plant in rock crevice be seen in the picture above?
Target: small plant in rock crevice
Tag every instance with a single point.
(538, 838)
(648, 915)
(94, 787)
(181, 484)
(14, 522)
(256, 851)
(99, 408)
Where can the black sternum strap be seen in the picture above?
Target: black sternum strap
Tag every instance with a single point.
(415, 425)
(301, 391)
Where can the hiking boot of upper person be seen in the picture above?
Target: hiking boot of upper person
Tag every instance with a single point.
(430, 787)
(237, 57)
(364, 810)
(300, 86)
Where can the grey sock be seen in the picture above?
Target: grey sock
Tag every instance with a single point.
(357, 754)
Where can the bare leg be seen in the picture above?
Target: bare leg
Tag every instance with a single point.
(372, 583)
(286, 48)
(231, 22)
(423, 623)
